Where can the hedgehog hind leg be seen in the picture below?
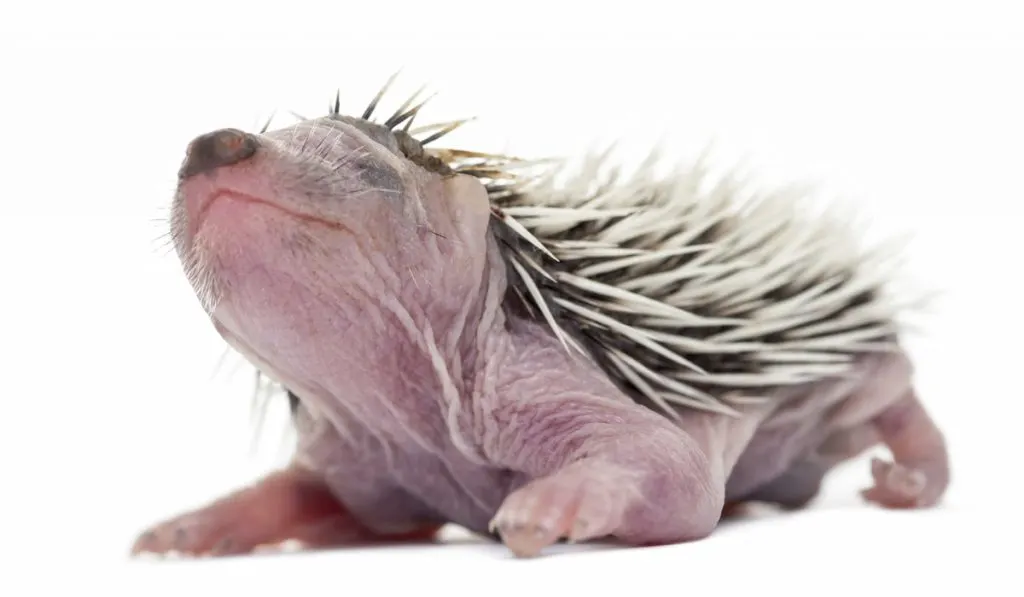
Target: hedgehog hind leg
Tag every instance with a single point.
(288, 505)
(918, 475)
(884, 409)
(888, 404)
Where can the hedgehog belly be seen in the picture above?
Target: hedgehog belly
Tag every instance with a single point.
(779, 447)
(814, 428)
(397, 487)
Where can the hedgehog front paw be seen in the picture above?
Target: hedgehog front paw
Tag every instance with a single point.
(202, 533)
(288, 505)
(579, 503)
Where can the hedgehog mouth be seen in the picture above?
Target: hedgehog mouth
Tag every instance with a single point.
(221, 195)
(225, 194)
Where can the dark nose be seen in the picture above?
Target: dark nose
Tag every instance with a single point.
(219, 148)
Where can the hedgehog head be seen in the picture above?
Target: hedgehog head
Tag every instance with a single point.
(334, 227)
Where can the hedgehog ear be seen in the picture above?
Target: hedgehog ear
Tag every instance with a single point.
(470, 206)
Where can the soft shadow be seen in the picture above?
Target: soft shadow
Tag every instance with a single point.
(285, 551)
(488, 547)
(493, 548)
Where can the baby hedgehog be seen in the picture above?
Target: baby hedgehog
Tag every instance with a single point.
(534, 353)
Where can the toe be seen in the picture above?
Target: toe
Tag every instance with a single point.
(527, 542)
(194, 534)
(536, 516)
(147, 542)
(907, 482)
(880, 470)
(526, 527)
(896, 486)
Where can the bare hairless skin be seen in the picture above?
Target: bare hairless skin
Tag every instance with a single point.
(371, 287)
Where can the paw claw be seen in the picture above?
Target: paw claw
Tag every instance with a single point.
(582, 530)
(144, 543)
(224, 547)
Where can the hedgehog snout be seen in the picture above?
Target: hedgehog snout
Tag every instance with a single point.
(224, 147)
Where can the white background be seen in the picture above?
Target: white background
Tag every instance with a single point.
(116, 413)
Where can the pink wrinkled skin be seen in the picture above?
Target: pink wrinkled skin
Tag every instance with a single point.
(372, 288)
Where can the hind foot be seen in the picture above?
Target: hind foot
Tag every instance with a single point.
(919, 475)
(896, 486)
(289, 505)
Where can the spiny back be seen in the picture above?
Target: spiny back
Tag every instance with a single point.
(689, 294)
